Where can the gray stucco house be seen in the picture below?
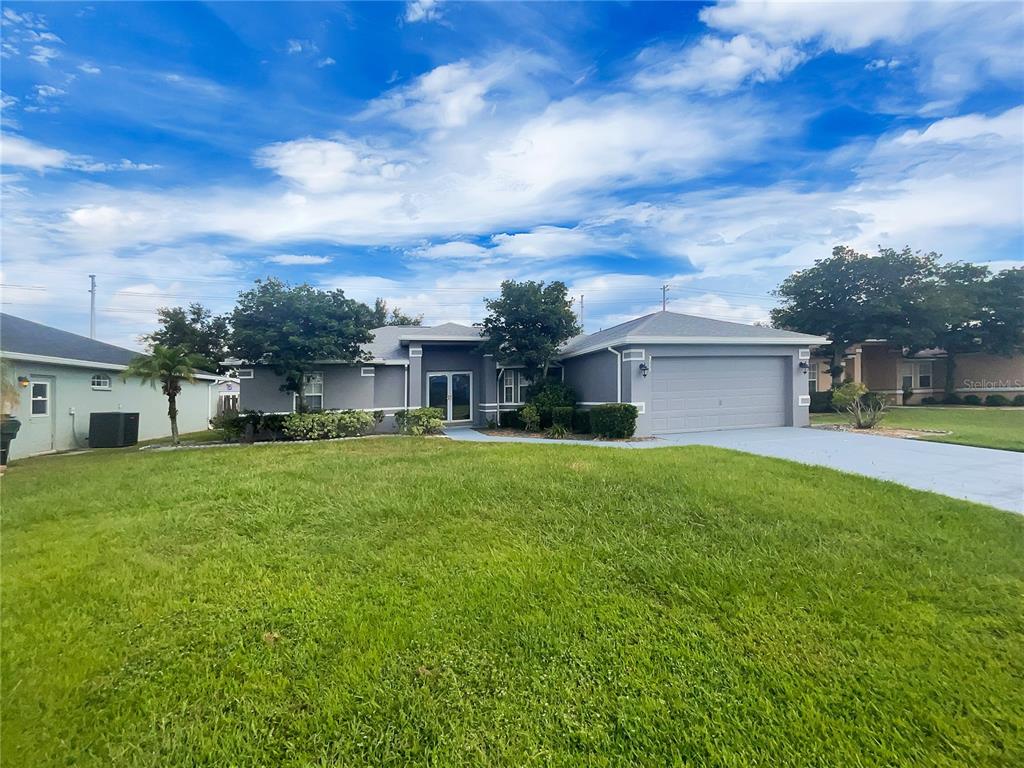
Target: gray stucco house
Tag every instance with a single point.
(63, 378)
(683, 373)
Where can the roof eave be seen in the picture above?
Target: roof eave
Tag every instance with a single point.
(802, 341)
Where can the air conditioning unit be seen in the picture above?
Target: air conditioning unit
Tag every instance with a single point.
(113, 430)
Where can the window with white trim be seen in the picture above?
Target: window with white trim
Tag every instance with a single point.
(244, 373)
(367, 370)
(514, 383)
(906, 376)
(100, 381)
(812, 377)
(924, 374)
(40, 398)
(313, 393)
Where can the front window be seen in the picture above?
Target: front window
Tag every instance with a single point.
(100, 381)
(313, 394)
(907, 376)
(508, 386)
(40, 398)
(812, 378)
(924, 375)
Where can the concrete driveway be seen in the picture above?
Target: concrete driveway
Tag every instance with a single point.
(984, 475)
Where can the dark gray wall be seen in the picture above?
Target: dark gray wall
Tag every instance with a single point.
(592, 376)
(263, 393)
(344, 387)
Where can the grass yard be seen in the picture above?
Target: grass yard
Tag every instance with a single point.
(407, 601)
(981, 426)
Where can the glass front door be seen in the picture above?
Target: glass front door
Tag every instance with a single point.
(452, 393)
(460, 397)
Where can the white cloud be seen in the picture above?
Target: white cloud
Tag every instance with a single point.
(1007, 126)
(48, 91)
(294, 260)
(89, 69)
(716, 65)
(43, 54)
(326, 62)
(7, 101)
(20, 152)
(322, 165)
(876, 64)
(453, 250)
(422, 10)
(294, 46)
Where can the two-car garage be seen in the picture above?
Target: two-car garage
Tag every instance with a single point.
(703, 393)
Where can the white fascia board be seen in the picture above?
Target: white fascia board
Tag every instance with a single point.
(61, 361)
(470, 339)
(710, 340)
(73, 363)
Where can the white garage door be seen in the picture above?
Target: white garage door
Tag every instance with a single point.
(699, 393)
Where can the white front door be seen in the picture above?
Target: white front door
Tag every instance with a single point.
(452, 392)
(38, 434)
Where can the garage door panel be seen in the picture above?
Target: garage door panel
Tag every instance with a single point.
(705, 393)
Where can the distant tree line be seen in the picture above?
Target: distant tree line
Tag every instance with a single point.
(907, 298)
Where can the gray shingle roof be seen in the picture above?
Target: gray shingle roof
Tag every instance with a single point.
(671, 326)
(18, 335)
(387, 341)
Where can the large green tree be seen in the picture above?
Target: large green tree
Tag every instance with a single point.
(168, 366)
(527, 323)
(289, 328)
(385, 315)
(969, 310)
(196, 329)
(851, 296)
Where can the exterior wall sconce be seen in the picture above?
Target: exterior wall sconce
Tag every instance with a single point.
(23, 381)
(644, 370)
(804, 367)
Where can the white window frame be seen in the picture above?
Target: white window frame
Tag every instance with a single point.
(508, 385)
(100, 387)
(310, 378)
(367, 370)
(812, 377)
(914, 369)
(926, 368)
(33, 399)
(245, 373)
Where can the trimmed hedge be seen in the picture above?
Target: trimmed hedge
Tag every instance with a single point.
(562, 416)
(1018, 400)
(581, 422)
(821, 402)
(615, 420)
(324, 425)
(250, 426)
(510, 419)
(929, 401)
(997, 400)
(952, 400)
(420, 421)
(972, 400)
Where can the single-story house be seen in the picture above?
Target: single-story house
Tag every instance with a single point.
(887, 370)
(683, 373)
(63, 378)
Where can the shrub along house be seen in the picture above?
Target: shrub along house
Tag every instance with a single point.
(63, 378)
(683, 373)
(885, 369)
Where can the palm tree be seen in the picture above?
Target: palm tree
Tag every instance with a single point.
(170, 366)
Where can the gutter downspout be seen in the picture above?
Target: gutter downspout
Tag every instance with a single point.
(618, 374)
(407, 386)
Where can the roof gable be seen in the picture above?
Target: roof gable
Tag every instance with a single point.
(20, 336)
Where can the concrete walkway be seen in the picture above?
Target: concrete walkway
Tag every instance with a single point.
(984, 475)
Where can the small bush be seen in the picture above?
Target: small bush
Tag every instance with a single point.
(865, 409)
(972, 400)
(530, 417)
(548, 394)
(821, 402)
(581, 422)
(557, 431)
(231, 425)
(952, 399)
(420, 421)
(561, 416)
(355, 423)
(492, 424)
(907, 395)
(614, 420)
(1018, 400)
(997, 400)
(929, 401)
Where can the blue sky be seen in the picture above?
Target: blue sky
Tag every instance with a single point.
(425, 151)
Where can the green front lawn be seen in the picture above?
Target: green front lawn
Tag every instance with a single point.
(980, 426)
(409, 601)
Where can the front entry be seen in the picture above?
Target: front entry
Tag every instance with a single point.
(38, 431)
(452, 393)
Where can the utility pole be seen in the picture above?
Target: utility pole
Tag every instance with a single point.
(92, 306)
(581, 310)
(664, 297)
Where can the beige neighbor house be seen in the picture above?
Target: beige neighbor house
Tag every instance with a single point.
(884, 369)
